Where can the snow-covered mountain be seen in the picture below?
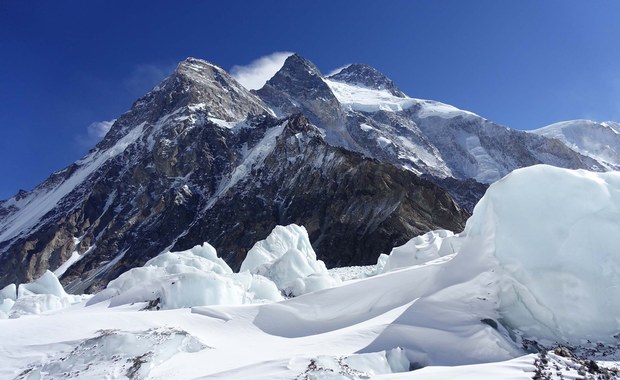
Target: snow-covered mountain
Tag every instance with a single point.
(440, 139)
(201, 158)
(204, 223)
(600, 141)
(361, 109)
(359, 163)
(524, 292)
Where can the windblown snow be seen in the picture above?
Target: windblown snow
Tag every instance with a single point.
(536, 268)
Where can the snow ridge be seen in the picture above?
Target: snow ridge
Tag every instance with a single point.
(31, 209)
(600, 141)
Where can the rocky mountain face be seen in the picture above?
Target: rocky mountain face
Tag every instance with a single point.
(299, 87)
(199, 159)
(334, 193)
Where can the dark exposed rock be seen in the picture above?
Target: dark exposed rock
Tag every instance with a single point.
(333, 193)
(466, 193)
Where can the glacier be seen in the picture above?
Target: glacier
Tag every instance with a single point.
(537, 262)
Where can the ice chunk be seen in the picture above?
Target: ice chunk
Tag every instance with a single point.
(43, 295)
(554, 235)
(196, 277)
(287, 258)
(9, 291)
(279, 241)
(5, 307)
(38, 304)
(419, 250)
(46, 284)
(262, 288)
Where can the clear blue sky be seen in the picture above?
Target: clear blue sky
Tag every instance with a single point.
(523, 64)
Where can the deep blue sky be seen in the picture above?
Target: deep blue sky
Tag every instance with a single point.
(523, 64)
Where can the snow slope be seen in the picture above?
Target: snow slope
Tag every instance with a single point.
(40, 201)
(600, 141)
(431, 137)
(537, 265)
(359, 98)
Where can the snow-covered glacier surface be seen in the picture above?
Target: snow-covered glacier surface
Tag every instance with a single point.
(537, 266)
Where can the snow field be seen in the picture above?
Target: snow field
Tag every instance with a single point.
(537, 260)
(357, 98)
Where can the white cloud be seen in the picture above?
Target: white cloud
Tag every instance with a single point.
(337, 70)
(144, 77)
(94, 133)
(255, 74)
(98, 129)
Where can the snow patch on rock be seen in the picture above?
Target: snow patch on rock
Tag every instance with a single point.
(364, 99)
(356, 366)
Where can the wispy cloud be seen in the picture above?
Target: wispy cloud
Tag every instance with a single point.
(600, 102)
(615, 98)
(144, 77)
(337, 70)
(93, 133)
(255, 74)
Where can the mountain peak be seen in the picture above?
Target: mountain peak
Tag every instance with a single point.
(299, 87)
(363, 75)
(296, 67)
(196, 65)
(209, 87)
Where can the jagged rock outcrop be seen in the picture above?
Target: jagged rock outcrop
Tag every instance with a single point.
(299, 87)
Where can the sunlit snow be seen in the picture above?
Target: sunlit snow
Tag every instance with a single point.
(364, 99)
(536, 264)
